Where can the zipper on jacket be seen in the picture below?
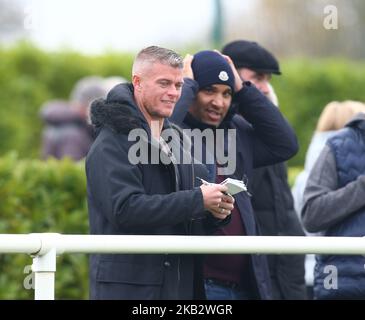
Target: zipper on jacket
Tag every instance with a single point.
(178, 270)
(190, 225)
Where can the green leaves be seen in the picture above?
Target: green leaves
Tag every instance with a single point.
(306, 86)
(39, 196)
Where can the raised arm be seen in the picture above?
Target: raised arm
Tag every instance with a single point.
(324, 203)
(273, 138)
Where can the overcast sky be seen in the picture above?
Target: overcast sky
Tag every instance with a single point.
(93, 26)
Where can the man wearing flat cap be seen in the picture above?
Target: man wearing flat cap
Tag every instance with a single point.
(272, 200)
(253, 62)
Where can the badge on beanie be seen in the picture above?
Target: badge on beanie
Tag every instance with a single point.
(223, 75)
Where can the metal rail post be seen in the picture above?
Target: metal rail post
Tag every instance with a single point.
(44, 268)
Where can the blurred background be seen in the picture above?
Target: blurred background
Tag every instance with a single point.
(47, 46)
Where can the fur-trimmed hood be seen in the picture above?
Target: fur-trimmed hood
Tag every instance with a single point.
(117, 112)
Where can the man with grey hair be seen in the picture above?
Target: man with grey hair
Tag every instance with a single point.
(147, 198)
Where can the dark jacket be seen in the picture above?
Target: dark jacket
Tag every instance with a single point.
(272, 202)
(66, 133)
(348, 150)
(263, 137)
(142, 199)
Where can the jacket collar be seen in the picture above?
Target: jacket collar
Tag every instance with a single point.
(358, 121)
(121, 115)
(119, 112)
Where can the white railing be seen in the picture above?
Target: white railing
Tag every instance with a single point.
(44, 247)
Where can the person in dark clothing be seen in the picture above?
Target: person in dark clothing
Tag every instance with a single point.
(262, 137)
(272, 199)
(68, 132)
(334, 205)
(147, 198)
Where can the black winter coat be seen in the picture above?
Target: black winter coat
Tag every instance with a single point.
(144, 199)
(272, 202)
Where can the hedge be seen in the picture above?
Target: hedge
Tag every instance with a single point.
(41, 196)
(306, 86)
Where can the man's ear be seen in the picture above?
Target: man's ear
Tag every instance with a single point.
(136, 80)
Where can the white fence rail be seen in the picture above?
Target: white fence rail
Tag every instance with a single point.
(44, 247)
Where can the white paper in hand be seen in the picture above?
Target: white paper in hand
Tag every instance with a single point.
(234, 186)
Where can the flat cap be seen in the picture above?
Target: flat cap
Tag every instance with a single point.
(248, 54)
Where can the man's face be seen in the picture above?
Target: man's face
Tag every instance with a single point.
(157, 90)
(260, 80)
(212, 104)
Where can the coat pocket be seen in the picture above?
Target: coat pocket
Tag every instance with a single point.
(124, 272)
(127, 281)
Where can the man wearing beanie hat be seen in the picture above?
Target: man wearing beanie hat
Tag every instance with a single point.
(272, 200)
(262, 137)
